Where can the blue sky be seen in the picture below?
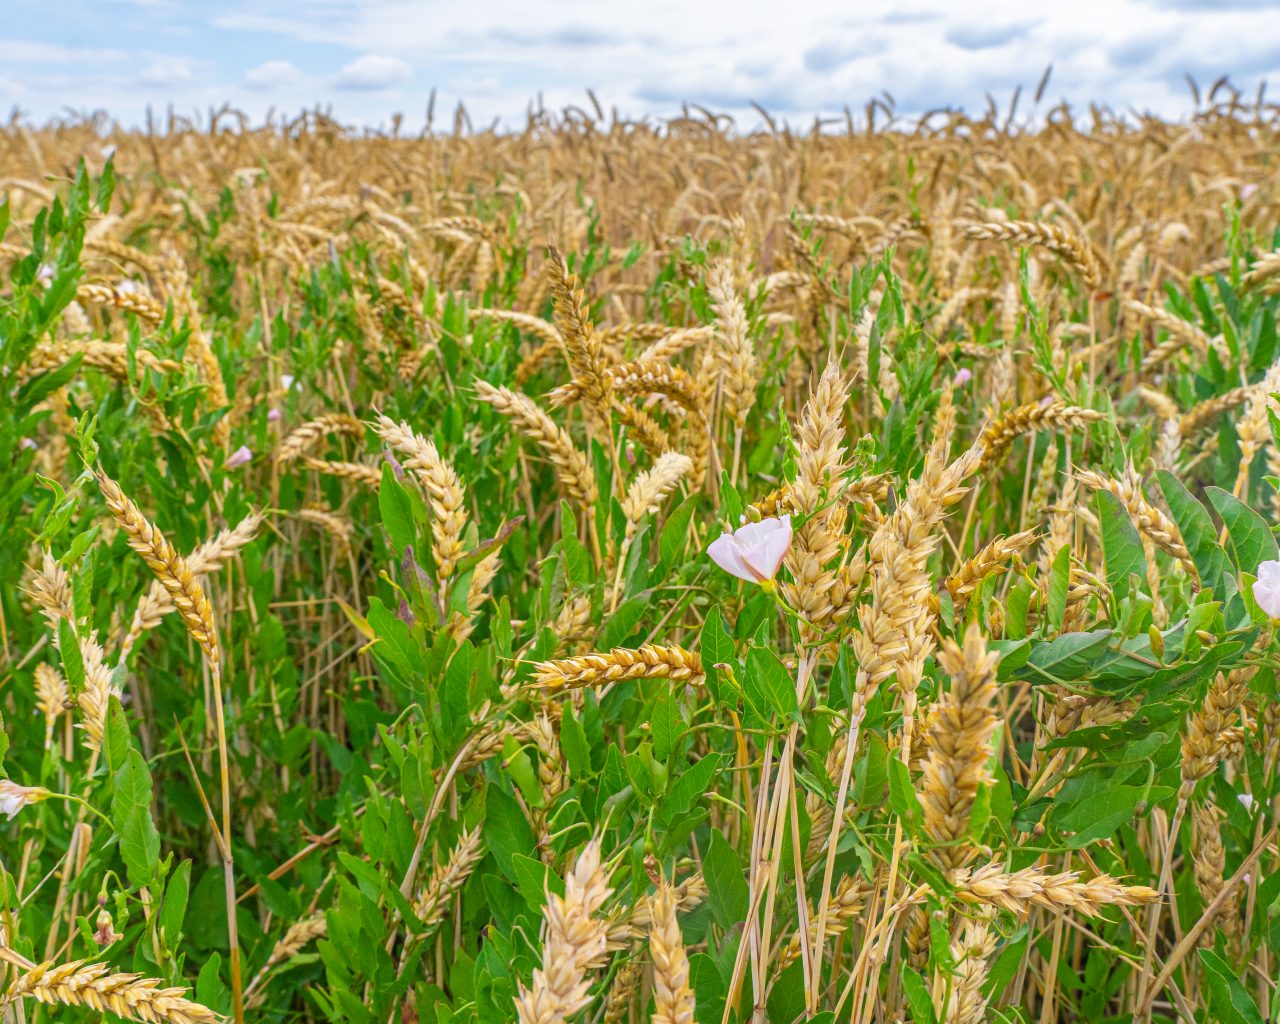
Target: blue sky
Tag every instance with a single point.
(369, 59)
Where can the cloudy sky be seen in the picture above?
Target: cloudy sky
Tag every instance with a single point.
(369, 59)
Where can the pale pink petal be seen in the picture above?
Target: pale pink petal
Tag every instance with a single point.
(753, 533)
(726, 554)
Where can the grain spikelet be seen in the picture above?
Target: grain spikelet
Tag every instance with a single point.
(303, 438)
(586, 355)
(647, 491)
(648, 662)
(573, 471)
(735, 354)
(958, 746)
(673, 998)
(1057, 239)
(1203, 740)
(169, 567)
(447, 879)
(1019, 891)
(991, 560)
(575, 943)
(131, 996)
(999, 435)
(209, 557)
(444, 491)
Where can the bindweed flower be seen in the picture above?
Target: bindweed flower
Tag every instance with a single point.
(1266, 588)
(14, 797)
(962, 377)
(27, 444)
(1246, 801)
(273, 415)
(286, 381)
(1247, 190)
(239, 457)
(754, 552)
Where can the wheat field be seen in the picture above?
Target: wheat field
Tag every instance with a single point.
(624, 571)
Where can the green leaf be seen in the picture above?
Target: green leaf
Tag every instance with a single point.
(767, 685)
(1067, 657)
(716, 647)
(1251, 542)
(573, 741)
(1196, 526)
(1231, 1003)
(72, 661)
(727, 892)
(903, 798)
(1059, 584)
(917, 996)
(622, 623)
(666, 726)
(131, 818)
(1121, 545)
(689, 787)
(173, 910)
(675, 531)
(397, 510)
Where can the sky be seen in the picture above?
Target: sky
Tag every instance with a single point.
(367, 60)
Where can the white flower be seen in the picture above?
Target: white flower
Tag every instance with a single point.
(753, 552)
(1246, 801)
(239, 457)
(14, 797)
(1247, 190)
(128, 287)
(286, 381)
(1266, 588)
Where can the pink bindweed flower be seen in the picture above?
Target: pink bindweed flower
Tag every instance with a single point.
(962, 377)
(754, 552)
(28, 444)
(14, 797)
(1266, 588)
(239, 457)
(273, 415)
(1248, 189)
(1246, 801)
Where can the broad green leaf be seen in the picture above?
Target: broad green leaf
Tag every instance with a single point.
(131, 818)
(1121, 545)
(716, 648)
(726, 880)
(768, 685)
(917, 996)
(902, 796)
(1231, 1003)
(397, 510)
(1249, 540)
(1067, 657)
(1059, 584)
(1196, 526)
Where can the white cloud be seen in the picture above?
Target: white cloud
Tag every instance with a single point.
(165, 73)
(373, 71)
(272, 74)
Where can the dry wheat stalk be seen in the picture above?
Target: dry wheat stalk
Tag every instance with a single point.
(131, 300)
(843, 906)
